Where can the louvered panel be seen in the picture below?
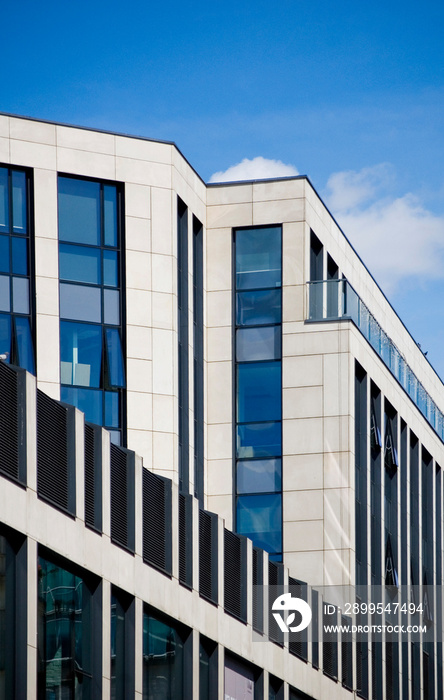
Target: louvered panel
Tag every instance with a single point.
(119, 497)
(329, 646)
(9, 423)
(389, 678)
(347, 654)
(90, 481)
(186, 540)
(156, 514)
(52, 451)
(234, 602)
(207, 556)
(258, 598)
(298, 640)
(275, 581)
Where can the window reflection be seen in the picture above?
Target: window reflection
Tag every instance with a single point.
(163, 660)
(259, 517)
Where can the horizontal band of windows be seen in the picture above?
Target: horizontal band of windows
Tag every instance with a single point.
(17, 298)
(87, 212)
(259, 476)
(259, 440)
(83, 348)
(16, 341)
(14, 255)
(258, 392)
(84, 303)
(259, 517)
(13, 188)
(258, 307)
(254, 344)
(88, 264)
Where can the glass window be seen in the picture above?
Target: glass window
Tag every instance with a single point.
(79, 263)
(112, 412)
(4, 253)
(81, 303)
(263, 343)
(5, 335)
(259, 392)
(19, 255)
(163, 660)
(20, 295)
(19, 201)
(259, 440)
(259, 476)
(116, 375)
(24, 343)
(260, 518)
(111, 312)
(4, 200)
(110, 215)
(258, 258)
(238, 681)
(80, 354)
(110, 268)
(258, 308)
(79, 211)
(5, 302)
(87, 400)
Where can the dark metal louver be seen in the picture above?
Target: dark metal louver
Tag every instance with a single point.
(258, 591)
(275, 588)
(93, 477)
(157, 521)
(298, 640)
(186, 539)
(122, 497)
(347, 654)
(235, 601)
(55, 452)
(12, 423)
(329, 643)
(208, 546)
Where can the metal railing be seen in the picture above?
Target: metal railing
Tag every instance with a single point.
(330, 300)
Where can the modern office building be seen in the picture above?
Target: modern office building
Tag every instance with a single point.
(205, 397)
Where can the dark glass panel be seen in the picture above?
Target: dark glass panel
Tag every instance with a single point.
(260, 519)
(163, 660)
(117, 649)
(80, 303)
(110, 268)
(5, 302)
(204, 673)
(89, 401)
(19, 202)
(259, 392)
(20, 295)
(258, 258)
(115, 437)
(259, 476)
(110, 215)
(79, 211)
(80, 354)
(5, 336)
(24, 343)
(263, 343)
(258, 308)
(111, 303)
(4, 200)
(4, 253)
(79, 263)
(116, 374)
(112, 412)
(259, 440)
(19, 255)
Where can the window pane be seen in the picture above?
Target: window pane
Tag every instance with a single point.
(4, 253)
(4, 200)
(259, 440)
(110, 274)
(87, 400)
(5, 304)
(19, 255)
(110, 215)
(263, 343)
(163, 662)
(82, 303)
(80, 354)
(258, 258)
(260, 517)
(112, 413)
(5, 336)
(258, 308)
(115, 437)
(259, 476)
(259, 392)
(79, 211)
(24, 344)
(116, 375)
(111, 311)
(79, 264)
(19, 202)
(20, 295)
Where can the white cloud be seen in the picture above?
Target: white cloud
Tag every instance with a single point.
(397, 237)
(255, 169)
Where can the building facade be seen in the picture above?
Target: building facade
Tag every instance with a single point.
(206, 398)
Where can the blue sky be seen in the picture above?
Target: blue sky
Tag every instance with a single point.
(350, 94)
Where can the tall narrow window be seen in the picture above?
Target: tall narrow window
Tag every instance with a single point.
(198, 361)
(167, 662)
(316, 277)
(122, 645)
(16, 270)
(258, 451)
(182, 313)
(92, 366)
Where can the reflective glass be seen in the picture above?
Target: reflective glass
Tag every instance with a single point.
(115, 437)
(259, 440)
(79, 263)
(5, 303)
(81, 303)
(87, 400)
(4, 200)
(258, 307)
(79, 211)
(259, 476)
(19, 255)
(24, 343)
(163, 660)
(260, 518)
(116, 375)
(111, 311)
(19, 201)
(20, 295)
(110, 215)
(80, 354)
(4, 253)
(259, 392)
(112, 413)
(5, 336)
(263, 343)
(258, 258)
(110, 273)
(117, 649)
